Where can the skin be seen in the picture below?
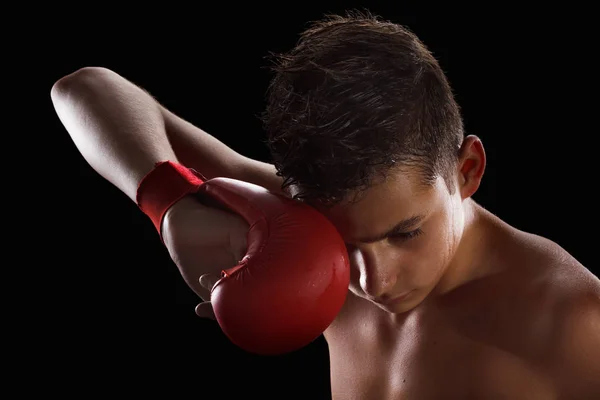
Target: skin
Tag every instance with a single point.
(430, 256)
(493, 312)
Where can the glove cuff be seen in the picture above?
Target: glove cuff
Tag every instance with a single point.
(163, 186)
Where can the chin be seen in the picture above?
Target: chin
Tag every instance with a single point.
(402, 306)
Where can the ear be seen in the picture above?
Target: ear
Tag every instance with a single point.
(471, 166)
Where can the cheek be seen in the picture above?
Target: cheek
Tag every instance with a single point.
(435, 251)
(433, 254)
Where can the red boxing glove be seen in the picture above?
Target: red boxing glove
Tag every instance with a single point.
(294, 278)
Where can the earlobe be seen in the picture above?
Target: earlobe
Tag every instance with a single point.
(472, 163)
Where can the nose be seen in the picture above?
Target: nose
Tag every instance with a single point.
(378, 274)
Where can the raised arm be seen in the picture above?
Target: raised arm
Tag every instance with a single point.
(121, 131)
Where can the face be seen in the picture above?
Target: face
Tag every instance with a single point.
(401, 238)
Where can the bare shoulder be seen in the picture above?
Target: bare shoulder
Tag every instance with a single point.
(570, 307)
(541, 305)
(549, 264)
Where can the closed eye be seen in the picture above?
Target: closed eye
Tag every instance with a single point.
(407, 235)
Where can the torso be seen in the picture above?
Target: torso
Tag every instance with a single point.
(485, 340)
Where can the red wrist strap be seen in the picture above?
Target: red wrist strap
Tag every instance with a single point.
(162, 187)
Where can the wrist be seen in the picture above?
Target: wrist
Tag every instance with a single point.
(166, 184)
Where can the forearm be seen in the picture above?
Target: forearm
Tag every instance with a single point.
(117, 127)
(122, 131)
(198, 149)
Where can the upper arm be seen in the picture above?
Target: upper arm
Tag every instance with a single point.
(197, 149)
(576, 346)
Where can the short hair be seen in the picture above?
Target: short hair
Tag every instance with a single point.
(356, 97)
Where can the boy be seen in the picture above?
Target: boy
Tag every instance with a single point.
(446, 300)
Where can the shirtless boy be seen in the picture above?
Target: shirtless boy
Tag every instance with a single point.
(446, 300)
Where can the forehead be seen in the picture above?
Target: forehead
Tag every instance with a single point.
(383, 205)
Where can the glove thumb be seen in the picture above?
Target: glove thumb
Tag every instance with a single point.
(205, 310)
(207, 281)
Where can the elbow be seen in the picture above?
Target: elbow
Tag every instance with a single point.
(77, 80)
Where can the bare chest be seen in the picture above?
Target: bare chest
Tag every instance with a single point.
(420, 360)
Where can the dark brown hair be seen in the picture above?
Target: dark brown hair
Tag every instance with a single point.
(354, 98)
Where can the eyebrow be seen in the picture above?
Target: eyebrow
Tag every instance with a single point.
(400, 227)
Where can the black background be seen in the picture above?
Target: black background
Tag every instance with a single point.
(122, 317)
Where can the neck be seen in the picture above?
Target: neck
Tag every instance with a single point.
(473, 257)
